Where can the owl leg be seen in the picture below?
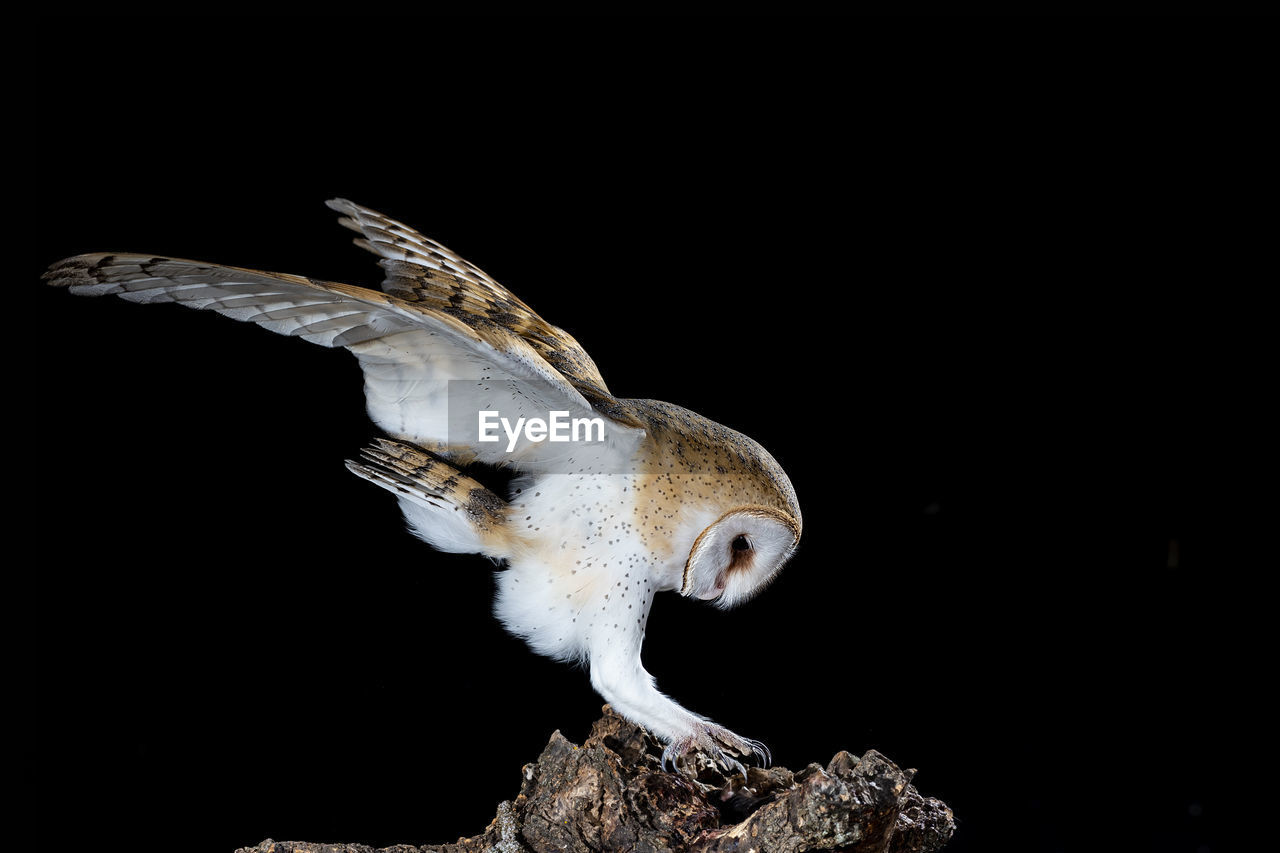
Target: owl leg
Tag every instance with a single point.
(617, 675)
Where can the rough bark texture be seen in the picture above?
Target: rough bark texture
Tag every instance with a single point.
(611, 794)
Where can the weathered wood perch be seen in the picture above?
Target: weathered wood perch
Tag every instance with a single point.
(611, 794)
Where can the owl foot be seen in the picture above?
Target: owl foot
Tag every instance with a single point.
(713, 745)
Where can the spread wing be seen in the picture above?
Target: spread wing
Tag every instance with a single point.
(423, 272)
(430, 358)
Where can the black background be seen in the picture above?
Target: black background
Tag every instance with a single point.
(993, 297)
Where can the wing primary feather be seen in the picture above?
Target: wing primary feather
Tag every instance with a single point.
(421, 271)
(447, 321)
(443, 506)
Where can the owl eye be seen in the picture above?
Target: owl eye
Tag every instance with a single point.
(740, 544)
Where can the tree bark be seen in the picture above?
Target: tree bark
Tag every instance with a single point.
(612, 794)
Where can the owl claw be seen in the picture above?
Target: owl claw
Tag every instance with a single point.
(721, 746)
(761, 752)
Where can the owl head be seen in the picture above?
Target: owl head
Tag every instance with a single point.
(738, 554)
(732, 499)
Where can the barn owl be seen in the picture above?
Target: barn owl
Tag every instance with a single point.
(650, 497)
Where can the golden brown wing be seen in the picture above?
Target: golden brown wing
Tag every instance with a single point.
(418, 361)
(420, 270)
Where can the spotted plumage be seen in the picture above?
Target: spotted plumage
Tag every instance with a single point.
(586, 534)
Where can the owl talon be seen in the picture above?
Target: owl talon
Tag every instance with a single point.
(761, 752)
(719, 745)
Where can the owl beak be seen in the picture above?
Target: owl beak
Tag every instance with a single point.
(715, 591)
